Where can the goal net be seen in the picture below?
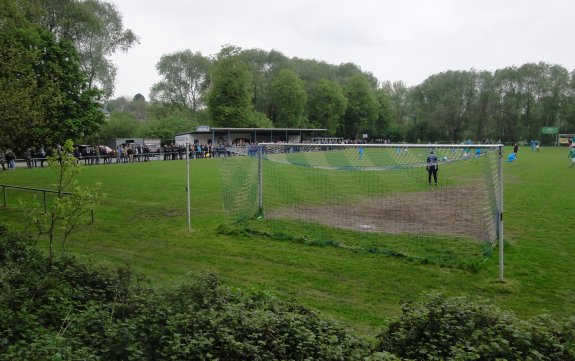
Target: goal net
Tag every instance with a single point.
(375, 198)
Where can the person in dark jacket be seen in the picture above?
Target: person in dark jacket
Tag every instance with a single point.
(432, 166)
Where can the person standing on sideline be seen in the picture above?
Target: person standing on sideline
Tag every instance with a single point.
(572, 155)
(42, 154)
(2, 159)
(432, 167)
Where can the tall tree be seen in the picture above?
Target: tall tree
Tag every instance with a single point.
(186, 79)
(508, 110)
(71, 110)
(18, 86)
(120, 125)
(566, 122)
(327, 106)
(531, 82)
(230, 96)
(361, 109)
(96, 29)
(289, 98)
(264, 67)
(384, 125)
(398, 94)
(481, 115)
(445, 102)
(557, 90)
(45, 95)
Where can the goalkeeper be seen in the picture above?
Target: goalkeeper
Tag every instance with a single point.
(432, 167)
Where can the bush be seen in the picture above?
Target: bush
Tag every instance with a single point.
(81, 312)
(459, 329)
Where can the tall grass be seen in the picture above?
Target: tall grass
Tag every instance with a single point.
(143, 222)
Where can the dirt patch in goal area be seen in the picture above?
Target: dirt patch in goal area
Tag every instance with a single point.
(455, 211)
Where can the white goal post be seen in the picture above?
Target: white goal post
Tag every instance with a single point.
(375, 197)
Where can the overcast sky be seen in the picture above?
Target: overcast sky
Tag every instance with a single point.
(406, 40)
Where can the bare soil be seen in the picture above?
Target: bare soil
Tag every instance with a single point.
(455, 211)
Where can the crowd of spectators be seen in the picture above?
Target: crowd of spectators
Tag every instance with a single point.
(32, 157)
(124, 153)
(130, 152)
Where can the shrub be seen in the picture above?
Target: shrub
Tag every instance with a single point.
(460, 329)
(82, 312)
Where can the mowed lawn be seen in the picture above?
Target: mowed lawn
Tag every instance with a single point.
(143, 223)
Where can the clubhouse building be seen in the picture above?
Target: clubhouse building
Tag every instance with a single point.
(243, 136)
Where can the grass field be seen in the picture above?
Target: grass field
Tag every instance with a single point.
(143, 222)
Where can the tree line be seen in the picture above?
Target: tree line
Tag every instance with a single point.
(257, 88)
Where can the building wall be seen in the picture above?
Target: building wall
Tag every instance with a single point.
(183, 139)
(241, 136)
(152, 143)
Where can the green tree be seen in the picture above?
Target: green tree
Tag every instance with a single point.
(70, 106)
(230, 97)
(185, 79)
(557, 89)
(289, 98)
(72, 204)
(18, 85)
(167, 126)
(120, 125)
(260, 120)
(384, 124)
(398, 94)
(531, 89)
(444, 101)
(139, 109)
(45, 95)
(96, 29)
(263, 66)
(544, 89)
(345, 72)
(361, 109)
(327, 106)
(508, 108)
(566, 122)
(481, 117)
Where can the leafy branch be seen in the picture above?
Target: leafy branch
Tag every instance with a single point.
(69, 210)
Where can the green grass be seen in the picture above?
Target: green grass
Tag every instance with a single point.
(143, 222)
(448, 251)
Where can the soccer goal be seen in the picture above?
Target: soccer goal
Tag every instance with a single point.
(372, 197)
